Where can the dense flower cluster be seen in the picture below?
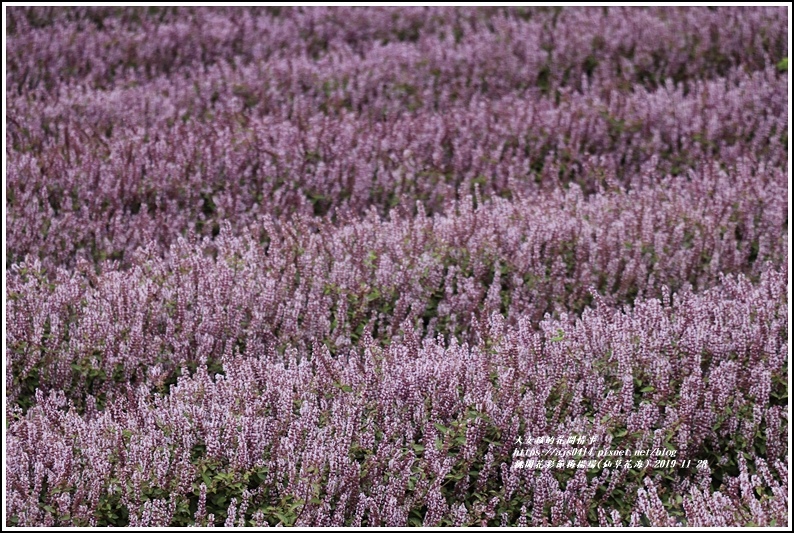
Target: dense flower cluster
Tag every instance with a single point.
(330, 266)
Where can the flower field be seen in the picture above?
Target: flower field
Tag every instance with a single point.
(409, 266)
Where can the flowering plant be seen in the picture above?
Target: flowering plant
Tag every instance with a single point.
(389, 267)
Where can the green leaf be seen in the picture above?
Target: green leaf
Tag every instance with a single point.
(782, 66)
(296, 504)
(285, 519)
(649, 388)
(343, 387)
